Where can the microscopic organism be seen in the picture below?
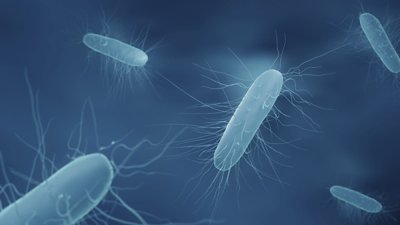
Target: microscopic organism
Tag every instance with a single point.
(83, 191)
(380, 42)
(356, 199)
(123, 64)
(116, 49)
(237, 131)
(249, 115)
(66, 196)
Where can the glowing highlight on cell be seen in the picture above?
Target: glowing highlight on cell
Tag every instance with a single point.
(380, 42)
(66, 196)
(356, 199)
(248, 117)
(116, 49)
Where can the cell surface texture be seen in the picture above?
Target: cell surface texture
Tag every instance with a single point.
(356, 199)
(116, 49)
(380, 42)
(248, 116)
(66, 196)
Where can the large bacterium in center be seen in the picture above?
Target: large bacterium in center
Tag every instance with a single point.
(248, 116)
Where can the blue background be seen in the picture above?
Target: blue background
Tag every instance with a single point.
(357, 140)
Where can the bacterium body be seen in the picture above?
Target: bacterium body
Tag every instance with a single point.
(356, 199)
(247, 118)
(66, 196)
(380, 42)
(116, 49)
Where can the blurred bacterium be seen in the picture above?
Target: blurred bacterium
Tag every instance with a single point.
(380, 42)
(356, 199)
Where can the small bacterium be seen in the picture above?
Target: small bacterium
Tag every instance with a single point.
(356, 199)
(116, 49)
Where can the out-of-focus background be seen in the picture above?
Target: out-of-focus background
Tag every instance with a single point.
(357, 101)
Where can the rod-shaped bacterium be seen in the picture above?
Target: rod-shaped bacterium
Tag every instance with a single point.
(247, 118)
(356, 199)
(66, 196)
(380, 42)
(116, 49)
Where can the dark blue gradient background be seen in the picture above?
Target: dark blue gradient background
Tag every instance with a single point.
(358, 140)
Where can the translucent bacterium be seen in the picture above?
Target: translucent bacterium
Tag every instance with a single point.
(65, 197)
(116, 49)
(356, 199)
(248, 116)
(380, 42)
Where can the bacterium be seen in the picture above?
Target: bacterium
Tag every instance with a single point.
(65, 197)
(380, 42)
(116, 49)
(82, 191)
(248, 116)
(356, 199)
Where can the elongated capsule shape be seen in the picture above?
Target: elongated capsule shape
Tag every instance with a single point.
(380, 42)
(248, 116)
(116, 49)
(66, 196)
(356, 199)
